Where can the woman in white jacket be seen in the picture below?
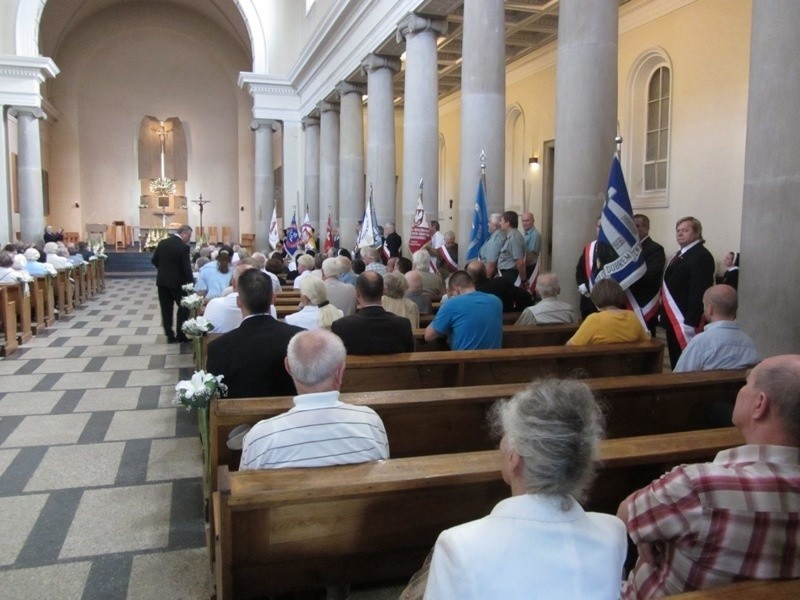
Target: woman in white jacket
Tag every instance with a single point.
(539, 543)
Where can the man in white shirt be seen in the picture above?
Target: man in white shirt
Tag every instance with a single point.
(223, 312)
(341, 295)
(319, 430)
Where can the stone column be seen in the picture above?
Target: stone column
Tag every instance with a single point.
(586, 117)
(329, 160)
(317, 212)
(483, 106)
(421, 115)
(351, 161)
(6, 223)
(264, 184)
(381, 153)
(29, 174)
(768, 287)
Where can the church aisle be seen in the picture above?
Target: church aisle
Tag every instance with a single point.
(100, 476)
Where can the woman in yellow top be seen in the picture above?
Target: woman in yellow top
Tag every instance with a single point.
(613, 324)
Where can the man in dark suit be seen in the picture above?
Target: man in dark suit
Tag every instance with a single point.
(373, 330)
(594, 257)
(251, 356)
(171, 258)
(689, 274)
(647, 290)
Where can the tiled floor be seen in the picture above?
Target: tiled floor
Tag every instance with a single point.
(100, 476)
(100, 489)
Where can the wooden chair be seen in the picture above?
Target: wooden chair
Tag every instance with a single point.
(226, 235)
(212, 234)
(248, 242)
(71, 237)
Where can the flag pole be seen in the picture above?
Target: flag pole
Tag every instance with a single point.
(618, 142)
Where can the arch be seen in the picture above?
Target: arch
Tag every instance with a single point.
(515, 158)
(29, 15)
(633, 152)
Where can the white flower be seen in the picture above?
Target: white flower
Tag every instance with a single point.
(198, 391)
(188, 287)
(197, 327)
(196, 385)
(191, 301)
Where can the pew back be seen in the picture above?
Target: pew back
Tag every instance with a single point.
(421, 370)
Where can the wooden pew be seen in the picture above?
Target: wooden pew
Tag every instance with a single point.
(38, 307)
(64, 291)
(291, 529)
(420, 370)
(514, 336)
(22, 308)
(788, 589)
(447, 420)
(49, 299)
(509, 318)
(8, 321)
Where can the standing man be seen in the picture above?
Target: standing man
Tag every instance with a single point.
(647, 289)
(491, 247)
(706, 525)
(171, 258)
(392, 243)
(533, 243)
(689, 274)
(511, 261)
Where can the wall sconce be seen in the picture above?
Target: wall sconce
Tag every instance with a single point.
(533, 161)
(77, 205)
(241, 208)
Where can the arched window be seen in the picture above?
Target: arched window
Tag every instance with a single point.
(646, 148)
(657, 147)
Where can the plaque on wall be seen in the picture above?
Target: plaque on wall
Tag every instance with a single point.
(163, 202)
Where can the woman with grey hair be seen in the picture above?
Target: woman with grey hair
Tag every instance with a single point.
(316, 311)
(394, 300)
(539, 542)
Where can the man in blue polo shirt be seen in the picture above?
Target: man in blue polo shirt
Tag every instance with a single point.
(470, 319)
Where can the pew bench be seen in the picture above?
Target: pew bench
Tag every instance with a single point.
(514, 336)
(8, 322)
(448, 420)
(420, 370)
(22, 309)
(284, 530)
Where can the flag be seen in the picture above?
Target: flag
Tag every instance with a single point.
(328, 235)
(274, 237)
(307, 234)
(292, 236)
(420, 230)
(480, 224)
(618, 230)
(369, 235)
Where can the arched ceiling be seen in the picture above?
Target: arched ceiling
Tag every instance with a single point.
(61, 17)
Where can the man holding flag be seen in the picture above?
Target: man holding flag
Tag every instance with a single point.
(618, 231)
(368, 235)
(307, 234)
(647, 290)
(292, 237)
(328, 235)
(480, 224)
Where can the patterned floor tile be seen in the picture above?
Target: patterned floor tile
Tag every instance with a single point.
(64, 581)
(163, 377)
(79, 381)
(104, 399)
(6, 456)
(121, 519)
(179, 458)
(120, 363)
(29, 403)
(18, 515)
(99, 464)
(19, 383)
(142, 424)
(63, 365)
(163, 575)
(47, 430)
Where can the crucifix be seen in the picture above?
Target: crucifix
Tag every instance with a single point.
(201, 203)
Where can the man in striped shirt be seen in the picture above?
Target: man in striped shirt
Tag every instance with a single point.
(319, 430)
(705, 525)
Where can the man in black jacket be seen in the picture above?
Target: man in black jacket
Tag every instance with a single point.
(171, 258)
(373, 330)
(647, 289)
(251, 357)
(689, 274)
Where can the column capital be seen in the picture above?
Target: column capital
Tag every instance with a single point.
(415, 23)
(345, 87)
(324, 106)
(373, 62)
(309, 121)
(31, 111)
(270, 124)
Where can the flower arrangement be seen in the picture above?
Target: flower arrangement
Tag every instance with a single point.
(51, 270)
(192, 301)
(197, 327)
(198, 391)
(162, 186)
(187, 288)
(154, 236)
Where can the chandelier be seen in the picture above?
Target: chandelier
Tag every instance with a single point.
(162, 186)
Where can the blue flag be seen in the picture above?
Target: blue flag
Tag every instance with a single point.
(618, 230)
(292, 236)
(480, 224)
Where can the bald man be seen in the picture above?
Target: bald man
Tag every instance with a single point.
(706, 525)
(721, 345)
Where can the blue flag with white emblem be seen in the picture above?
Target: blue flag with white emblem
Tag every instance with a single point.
(480, 224)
